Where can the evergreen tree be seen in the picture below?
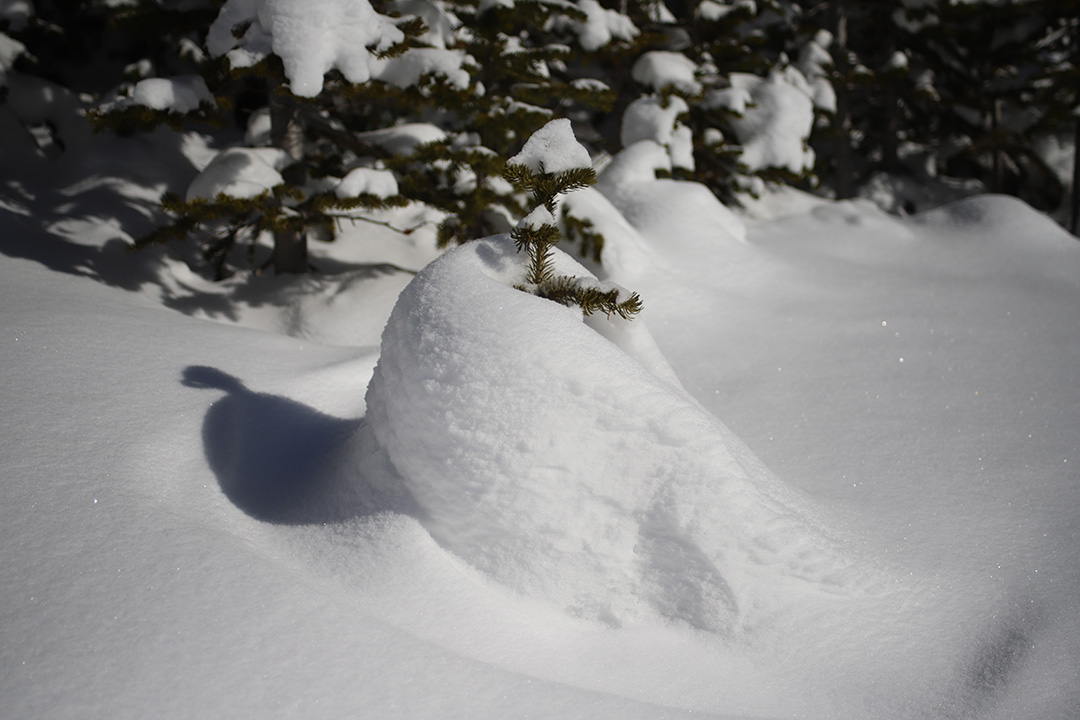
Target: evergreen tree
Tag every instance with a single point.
(722, 75)
(553, 163)
(525, 59)
(479, 77)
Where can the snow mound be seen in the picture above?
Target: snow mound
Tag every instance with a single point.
(554, 462)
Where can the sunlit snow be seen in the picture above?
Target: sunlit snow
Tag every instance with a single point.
(829, 472)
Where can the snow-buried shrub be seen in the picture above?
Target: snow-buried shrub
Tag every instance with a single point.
(552, 460)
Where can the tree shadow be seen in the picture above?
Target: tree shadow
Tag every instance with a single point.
(283, 462)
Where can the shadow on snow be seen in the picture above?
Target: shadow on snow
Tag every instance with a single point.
(284, 462)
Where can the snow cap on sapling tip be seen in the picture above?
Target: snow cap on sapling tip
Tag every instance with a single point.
(553, 163)
(536, 219)
(553, 149)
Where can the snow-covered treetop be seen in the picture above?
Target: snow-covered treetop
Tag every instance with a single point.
(553, 149)
(311, 38)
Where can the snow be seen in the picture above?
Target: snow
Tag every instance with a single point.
(17, 13)
(601, 26)
(815, 64)
(553, 149)
(647, 118)
(403, 139)
(777, 114)
(659, 69)
(180, 94)
(655, 206)
(715, 10)
(240, 172)
(537, 218)
(407, 69)
(310, 38)
(380, 183)
(828, 472)
(10, 50)
(440, 23)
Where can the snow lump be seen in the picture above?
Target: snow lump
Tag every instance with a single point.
(557, 464)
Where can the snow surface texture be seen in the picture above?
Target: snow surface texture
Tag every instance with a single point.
(199, 518)
(310, 38)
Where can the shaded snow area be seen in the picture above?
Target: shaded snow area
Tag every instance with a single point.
(829, 472)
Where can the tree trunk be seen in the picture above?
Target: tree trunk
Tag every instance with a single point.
(290, 246)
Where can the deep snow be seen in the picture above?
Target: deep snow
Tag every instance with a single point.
(857, 498)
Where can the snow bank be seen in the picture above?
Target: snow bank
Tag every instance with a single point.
(551, 460)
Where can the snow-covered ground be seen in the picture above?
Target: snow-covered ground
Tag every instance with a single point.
(830, 472)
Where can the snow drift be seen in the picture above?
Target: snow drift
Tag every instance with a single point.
(543, 454)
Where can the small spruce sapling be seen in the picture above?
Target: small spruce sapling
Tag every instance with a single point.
(553, 163)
